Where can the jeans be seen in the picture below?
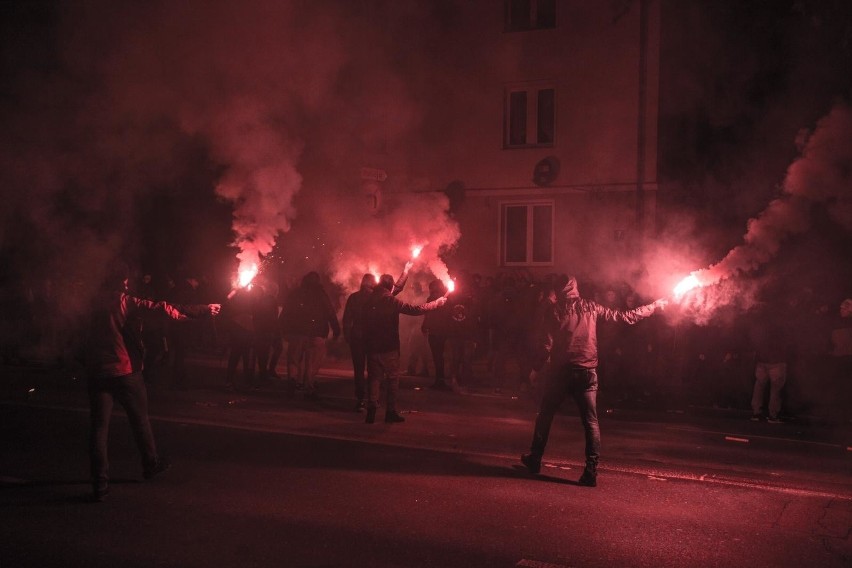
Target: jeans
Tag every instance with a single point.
(130, 392)
(359, 365)
(305, 355)
(582, 386)
(776, 375)
(383, 366)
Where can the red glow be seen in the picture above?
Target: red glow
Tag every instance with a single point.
(415, 252)
(451, 285)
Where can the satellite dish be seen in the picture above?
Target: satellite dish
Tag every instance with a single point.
(546, 171)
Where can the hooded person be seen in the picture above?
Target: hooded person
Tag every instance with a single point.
(381, 328)
(114, 355)
(567, 336)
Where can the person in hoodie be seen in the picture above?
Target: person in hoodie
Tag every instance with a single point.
(381, 330)
(308, 315)
(114, 356)
(567, 335)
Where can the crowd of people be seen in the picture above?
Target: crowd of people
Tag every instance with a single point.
(480, 340)
(504, 333)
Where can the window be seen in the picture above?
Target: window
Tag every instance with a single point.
(527, 233)
(530, 117)
(522, 15)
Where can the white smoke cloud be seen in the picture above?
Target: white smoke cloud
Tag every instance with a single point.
(821, 176)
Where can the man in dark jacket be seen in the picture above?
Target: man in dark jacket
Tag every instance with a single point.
(353, 330)
(308, 315)
(381, 328)
(568, 332)
(114, 355)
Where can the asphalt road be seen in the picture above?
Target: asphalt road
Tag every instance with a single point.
(265, 481)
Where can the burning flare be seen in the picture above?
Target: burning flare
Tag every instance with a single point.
(246, 275)
(686, 285)
(451, 285)
(415, 252)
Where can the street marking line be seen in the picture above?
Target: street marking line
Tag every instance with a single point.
(527, 563)
(736, 439)
(756, 437)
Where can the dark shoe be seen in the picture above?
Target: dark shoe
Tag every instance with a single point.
(756, 417)
(532, 463)
(371, 416)
(159, 467)
(393, 416)
(360, 406)
(588, 479)
(774, 420)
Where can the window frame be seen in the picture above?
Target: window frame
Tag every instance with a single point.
(503, 234)
(532, 121)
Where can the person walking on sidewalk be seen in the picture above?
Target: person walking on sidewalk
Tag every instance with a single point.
(381, 328)
(567, 332)
(113, 357)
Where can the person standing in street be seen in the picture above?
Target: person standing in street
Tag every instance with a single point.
(567, 332)
(308, 316)
(353, 330)
(114, 356)
(381, 327)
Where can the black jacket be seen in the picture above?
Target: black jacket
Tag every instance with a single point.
(381, 319)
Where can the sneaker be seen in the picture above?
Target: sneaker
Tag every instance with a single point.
(159, 467)
(371, 416)
(774, 420)
(756, 417)
(532, 463)
(588, 479)
(360, 406)
(393, 416)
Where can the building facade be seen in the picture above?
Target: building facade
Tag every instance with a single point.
(542, 130)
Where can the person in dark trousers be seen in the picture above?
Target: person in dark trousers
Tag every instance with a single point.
(567, 330)
(353, 333)
(238, 321)
(436, 327)
(308, 316)
(381, 327)
(114, 355)
(353, 330)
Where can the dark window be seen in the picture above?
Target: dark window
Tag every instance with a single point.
(516, 234)
(518, 14)
(522, 15)
(530, 117)
(542, 245)
(517, 118)
(545, 113)
(528, 234)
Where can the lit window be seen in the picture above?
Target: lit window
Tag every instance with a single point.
(530, 117)
(522, 15)
(527, 233)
